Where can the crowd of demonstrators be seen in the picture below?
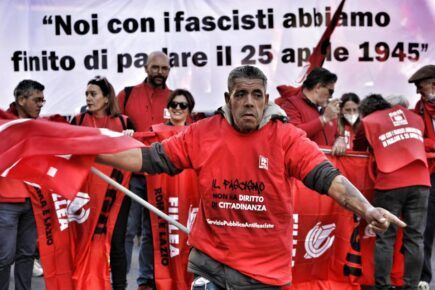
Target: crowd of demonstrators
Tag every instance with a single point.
(17, 222)
(246, 123)
(145, 105)
(401, 184)
(103, 112)
(424, 80)
(247, 127)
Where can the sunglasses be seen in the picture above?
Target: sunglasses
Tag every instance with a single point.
(182, 105)
(331, 92)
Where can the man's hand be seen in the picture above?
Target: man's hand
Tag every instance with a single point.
(348, 196)
(379, 219)
(331, 111)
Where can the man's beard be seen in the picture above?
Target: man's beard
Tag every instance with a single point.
(158, 84)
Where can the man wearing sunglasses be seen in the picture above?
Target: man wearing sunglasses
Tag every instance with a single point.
(145, 105)
(241, 236)
(311, 109)
(17, 223)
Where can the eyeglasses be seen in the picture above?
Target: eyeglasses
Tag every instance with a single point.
(100, 79)
(39, 101)
(182, 105)
(331, 92)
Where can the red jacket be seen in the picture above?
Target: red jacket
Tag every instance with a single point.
(145, 106)
(304, 114)
(396, 137)
(245, 215)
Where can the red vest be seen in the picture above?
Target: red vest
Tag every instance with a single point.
(396, 136)
(245, 214)
(145, 105)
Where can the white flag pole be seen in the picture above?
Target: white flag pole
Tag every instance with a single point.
(136, 198)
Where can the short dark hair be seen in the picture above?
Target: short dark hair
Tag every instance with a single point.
(373, 103)
(186, 94)
(349, 97)
(247, 72)
(25, 88)
(109, 92)
(320, 76)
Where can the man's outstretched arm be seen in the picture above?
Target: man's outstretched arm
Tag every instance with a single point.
(129, 160)
(348, 196)
(152, 160)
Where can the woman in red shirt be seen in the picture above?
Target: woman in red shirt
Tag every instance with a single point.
(103, 112)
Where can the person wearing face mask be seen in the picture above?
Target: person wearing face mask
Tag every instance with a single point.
(424, 80)
(348, 120)
(103, 112)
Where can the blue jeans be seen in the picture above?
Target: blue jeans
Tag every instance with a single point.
(411, 204)
(140, 217)
(17, 244)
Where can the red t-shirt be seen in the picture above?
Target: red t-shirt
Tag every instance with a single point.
(145, 106)
(305, 115)
(245, 214)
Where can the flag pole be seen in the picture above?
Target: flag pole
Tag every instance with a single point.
(139, 200)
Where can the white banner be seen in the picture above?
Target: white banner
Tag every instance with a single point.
(64, 43)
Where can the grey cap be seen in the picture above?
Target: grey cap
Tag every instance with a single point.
(426, 72)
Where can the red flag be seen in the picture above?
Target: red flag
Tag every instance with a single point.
(75, 235)
(326, 237)
(28, 149)
(316, 59)
(177, 196)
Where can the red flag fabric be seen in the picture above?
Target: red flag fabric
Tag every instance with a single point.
(74, 236)
(348, 261)
(316, 59)
(177, 196)
(325, 236)
(28, 147)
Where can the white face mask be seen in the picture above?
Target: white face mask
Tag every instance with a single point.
(351, 118)
(431, 98)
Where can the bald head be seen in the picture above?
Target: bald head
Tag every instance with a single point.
(157, 69)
